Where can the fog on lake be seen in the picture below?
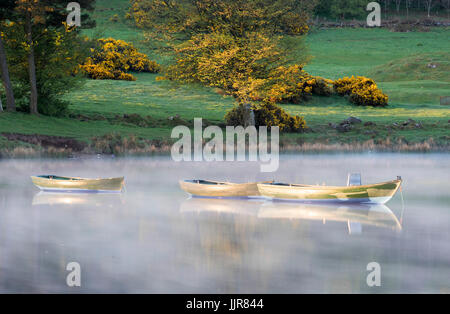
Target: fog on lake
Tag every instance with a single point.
(154, 238)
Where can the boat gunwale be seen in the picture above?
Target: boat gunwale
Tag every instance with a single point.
(287, 185)
(220, 183)
(76, 178)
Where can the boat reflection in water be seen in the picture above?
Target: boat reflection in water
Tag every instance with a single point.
(79, 199)
(354, 215)
(248, 207)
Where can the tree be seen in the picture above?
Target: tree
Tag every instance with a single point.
(32, 13)
(408, 5)
(446, 5)
(428, 5)
(233, 16)
(397, 4)
(10, 101)
(386, 7)
(346, 9)
(41, 20)
(6, 11)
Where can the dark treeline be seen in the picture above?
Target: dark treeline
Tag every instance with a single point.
(355, 9)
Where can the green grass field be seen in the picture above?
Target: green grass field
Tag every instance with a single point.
(398, 62)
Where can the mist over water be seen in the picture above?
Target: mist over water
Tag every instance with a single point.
(154, 239)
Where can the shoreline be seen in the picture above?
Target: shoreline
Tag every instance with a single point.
(20, 152)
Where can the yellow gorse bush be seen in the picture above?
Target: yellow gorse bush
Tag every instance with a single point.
(361, 90)
(292, 84)
(112, 59)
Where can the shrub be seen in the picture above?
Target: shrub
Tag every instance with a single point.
(238, 115)
(292, 84)
(168, 16)
(112, 59)
(266, 114)
(362, 91)
(114, 18)
(369, 96)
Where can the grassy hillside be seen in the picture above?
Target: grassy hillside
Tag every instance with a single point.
(398, 61)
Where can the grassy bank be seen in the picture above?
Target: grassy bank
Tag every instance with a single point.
(398, 61)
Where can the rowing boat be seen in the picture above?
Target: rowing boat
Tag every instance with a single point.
(204, 188)
(52, 183)
(379, 193)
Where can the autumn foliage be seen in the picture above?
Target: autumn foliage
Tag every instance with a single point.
(114, 59)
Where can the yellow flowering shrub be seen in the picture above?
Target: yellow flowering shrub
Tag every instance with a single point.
(266, 114)
(362, 91)
(166, 15)
(294, 23)
(292, 84)
(113, 59)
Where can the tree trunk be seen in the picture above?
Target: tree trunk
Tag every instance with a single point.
(1, 106)
(10, 102)
(31, 68)
(249, 116)
(398, 3)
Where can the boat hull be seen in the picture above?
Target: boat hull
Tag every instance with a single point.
(79, 185)
(220, 189)
(379, 193)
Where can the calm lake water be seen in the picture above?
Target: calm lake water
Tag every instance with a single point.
(154, 239)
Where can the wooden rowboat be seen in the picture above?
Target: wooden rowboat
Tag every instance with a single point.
(379, 193)
(204, 188)
(52, 183)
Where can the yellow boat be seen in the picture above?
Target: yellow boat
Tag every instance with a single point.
(204, 188)
(52, 183)
(379, 193)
